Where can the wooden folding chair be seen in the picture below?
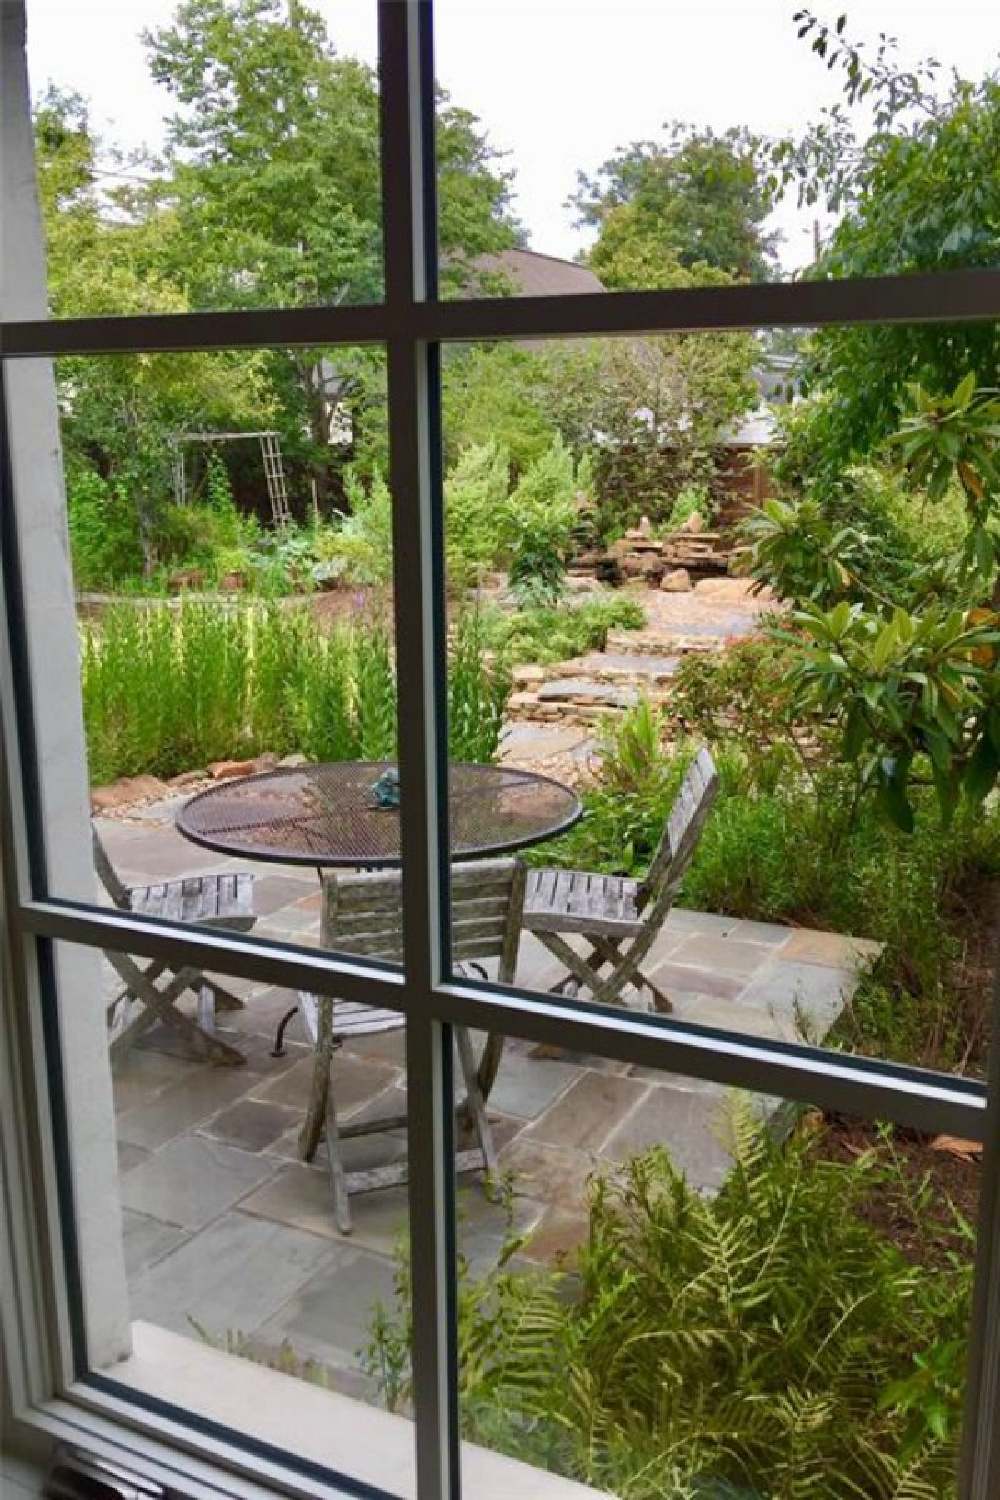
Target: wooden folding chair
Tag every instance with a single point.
(362, 914)
(620, 918)
(153, 988)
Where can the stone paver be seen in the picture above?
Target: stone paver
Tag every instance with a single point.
(328, 1318)
(726, 955)
(586, 690)
(805, 992)
(146, 1240)
(527, 1085)
(695, 1128)
(226, 1226)
(830, 949)
(181, 1106)
(192, 1180)
(231, 1277)
(587, 1112)
(252, 1124)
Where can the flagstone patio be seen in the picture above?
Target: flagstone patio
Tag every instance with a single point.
(230, 1237)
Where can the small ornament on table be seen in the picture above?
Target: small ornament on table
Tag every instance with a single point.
(385, 791)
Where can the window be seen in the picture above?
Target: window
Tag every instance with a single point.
(68, 1325)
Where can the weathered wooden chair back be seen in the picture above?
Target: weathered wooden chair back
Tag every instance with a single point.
(362, 914)
(106, 873)
(679, 840)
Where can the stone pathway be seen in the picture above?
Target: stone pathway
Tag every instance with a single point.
(590, 689)
(229, 1237)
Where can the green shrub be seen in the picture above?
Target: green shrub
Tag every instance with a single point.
(359, 550)
(475, 497)
(540, 518)
(767, 1341)
(478, 690)
(692, 500)
(547, 633)
(103, 531)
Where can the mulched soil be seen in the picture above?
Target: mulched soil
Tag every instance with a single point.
(932, 1183)
(917, 1209)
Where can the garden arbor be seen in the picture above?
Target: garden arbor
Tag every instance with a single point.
(270, 453)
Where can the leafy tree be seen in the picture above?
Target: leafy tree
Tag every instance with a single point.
(697, 200)
(649, 412)
(120, 413)
(921, 193)
(496, 393)
(475, 497)
(914, 693)
(274, 156)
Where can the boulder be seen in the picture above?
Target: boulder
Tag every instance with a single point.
(677, 581)
(220, 770)
(126, 790)
(528, 673)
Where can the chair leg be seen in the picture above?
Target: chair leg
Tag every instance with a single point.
(489, 1064)
(474, 1105)
(338, 1176)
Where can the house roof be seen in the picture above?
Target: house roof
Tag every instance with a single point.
(537, 275)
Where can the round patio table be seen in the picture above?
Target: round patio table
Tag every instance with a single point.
(330, 815)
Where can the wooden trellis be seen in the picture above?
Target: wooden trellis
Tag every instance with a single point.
(270, 452)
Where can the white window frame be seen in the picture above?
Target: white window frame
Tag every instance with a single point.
(49, 1319)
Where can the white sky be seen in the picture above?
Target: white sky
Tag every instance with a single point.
(559, 84)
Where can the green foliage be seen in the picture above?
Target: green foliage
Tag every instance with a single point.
(539, 521)
(946, 438)
(478, 690)
(748, 697)
(495, 394)
(170, 687)
(921, 194)
(359, 550)
(547, 633)
(475, 499)
(904, 687)
(648, 411)
(697, 201)
(761, 1341)
(692, 500)
(103, 531)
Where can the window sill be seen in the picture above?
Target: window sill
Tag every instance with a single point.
(319, 1426)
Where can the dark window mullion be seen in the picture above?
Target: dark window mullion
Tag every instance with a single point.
(410, 232)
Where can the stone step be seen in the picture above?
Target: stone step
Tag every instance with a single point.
(667, 643)
(614, 667)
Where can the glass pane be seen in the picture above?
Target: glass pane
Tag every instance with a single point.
(697, 144)
(233, 1243)
(731, 1296)
(664, 548)
(211, 156)
(229, 622)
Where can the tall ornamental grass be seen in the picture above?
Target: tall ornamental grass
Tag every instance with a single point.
(170, 688)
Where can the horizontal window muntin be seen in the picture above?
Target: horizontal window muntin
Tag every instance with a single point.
(908, 1096)
(925, 297)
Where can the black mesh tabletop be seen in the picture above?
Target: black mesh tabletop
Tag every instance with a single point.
(329, 815)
